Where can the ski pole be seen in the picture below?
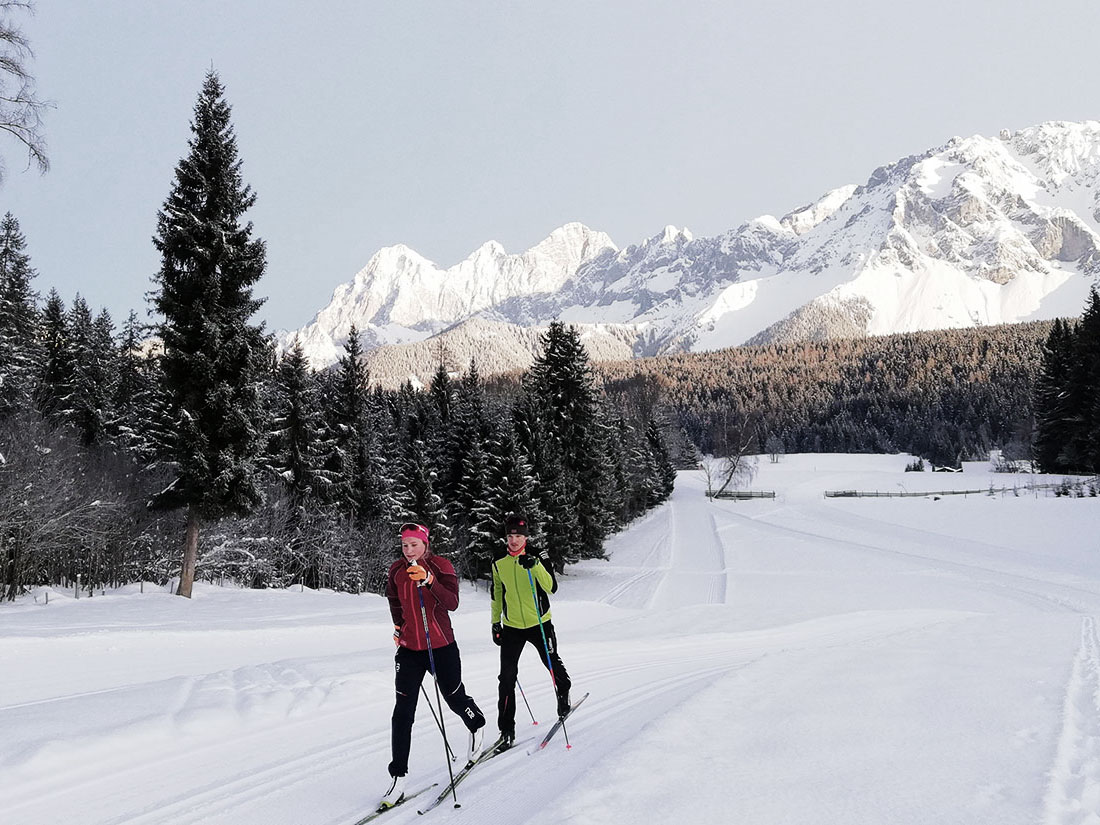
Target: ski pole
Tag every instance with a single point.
(435, 678)
(546, 647)
(534, 721)
(438, 723)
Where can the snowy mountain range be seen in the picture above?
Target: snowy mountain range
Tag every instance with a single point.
(978, 231)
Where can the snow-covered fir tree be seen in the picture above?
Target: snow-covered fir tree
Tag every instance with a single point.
(515, 489)
(295, 446)
(440, 426)
(134, 402)
(1082, 448)
(212, 355)
(417, 497)
(562, 390)
(663, 481)
(1053, 420)
(19, 319)
(295, 458)
(353, 459)
(94, 372)
(555, 492)
(54, 380)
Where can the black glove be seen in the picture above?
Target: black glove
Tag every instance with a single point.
(498, 631)
(527, 561)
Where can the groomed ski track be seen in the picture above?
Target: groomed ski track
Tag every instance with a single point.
(760, 616)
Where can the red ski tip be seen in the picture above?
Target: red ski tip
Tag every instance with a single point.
(569, 747)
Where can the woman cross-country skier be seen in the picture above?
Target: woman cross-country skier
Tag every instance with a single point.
(420, 574)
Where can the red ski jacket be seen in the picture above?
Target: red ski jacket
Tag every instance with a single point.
(439, 598)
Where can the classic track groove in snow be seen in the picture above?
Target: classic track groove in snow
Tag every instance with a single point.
(1033, 584)
(1074, 794)
(697, 567)
(637, 591)
(232, 788)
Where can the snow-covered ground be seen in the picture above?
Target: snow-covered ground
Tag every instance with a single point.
(796, 660)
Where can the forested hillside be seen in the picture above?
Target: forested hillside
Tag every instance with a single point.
(945, 395)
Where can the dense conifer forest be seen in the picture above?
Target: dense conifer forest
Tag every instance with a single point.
(946, 395)
(1067, 395)
(89, 445)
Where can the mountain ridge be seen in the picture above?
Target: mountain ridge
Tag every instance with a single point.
(976, 231)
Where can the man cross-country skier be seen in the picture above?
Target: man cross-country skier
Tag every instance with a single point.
(519, 619)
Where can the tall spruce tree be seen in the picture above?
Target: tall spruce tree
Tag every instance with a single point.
(18, 319)
(561, 386)
(664, 482)
(555, 496)
(441, 426)
(213, 356)
(296, 433)
(133, 422)
(354, 460)
(295, 458)
(53, 383)
(1053, 423)
(94, 370)
(1084, 445)
(416, 497)
(466, 468)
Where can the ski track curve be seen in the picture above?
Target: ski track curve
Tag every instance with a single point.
(1073, 795)
(637, 591)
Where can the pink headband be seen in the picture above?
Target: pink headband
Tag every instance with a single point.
(414, 531)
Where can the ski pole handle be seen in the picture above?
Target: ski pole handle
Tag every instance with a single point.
(423, 579)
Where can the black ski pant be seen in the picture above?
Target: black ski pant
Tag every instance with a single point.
(512, 642)
(411, 666)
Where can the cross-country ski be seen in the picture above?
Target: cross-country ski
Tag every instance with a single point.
(558, 725)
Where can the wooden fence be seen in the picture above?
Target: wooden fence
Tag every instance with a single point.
(988, 491)
(920, 494)
(742, 494)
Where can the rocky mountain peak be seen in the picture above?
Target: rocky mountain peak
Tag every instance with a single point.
(979, 230)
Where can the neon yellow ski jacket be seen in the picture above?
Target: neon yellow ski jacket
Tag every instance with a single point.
(513, 600)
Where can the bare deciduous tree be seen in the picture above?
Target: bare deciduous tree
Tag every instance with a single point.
(736, 443)
(724, 471)
(20, 107)
(57, 515)
(774, 447)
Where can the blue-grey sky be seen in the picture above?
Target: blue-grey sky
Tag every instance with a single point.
(445, 124)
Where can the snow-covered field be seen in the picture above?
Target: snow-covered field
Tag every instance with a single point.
(796, 660)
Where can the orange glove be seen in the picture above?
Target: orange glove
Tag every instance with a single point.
(421, 575)
(397, 635)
